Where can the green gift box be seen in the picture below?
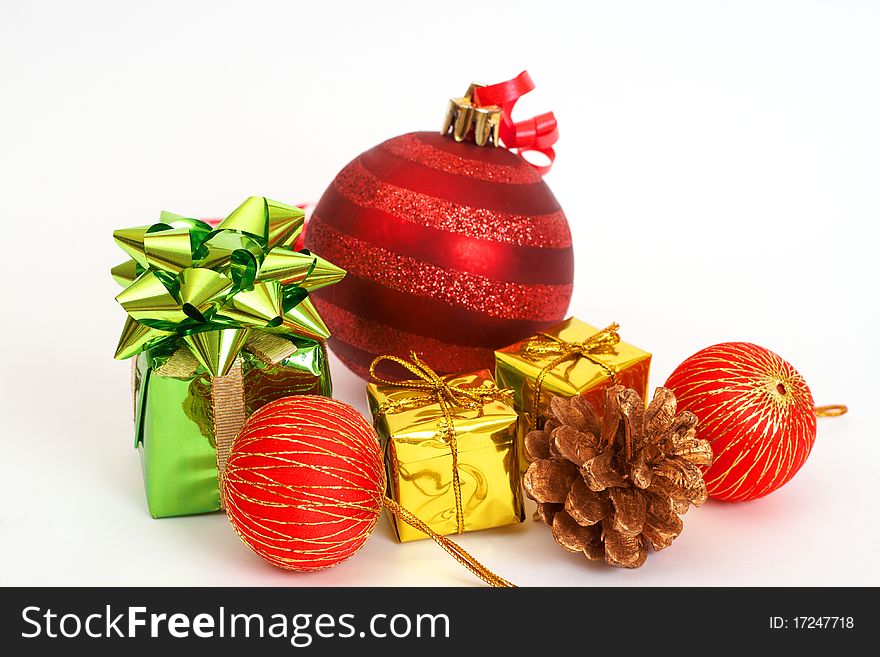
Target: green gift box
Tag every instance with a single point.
(220, 323)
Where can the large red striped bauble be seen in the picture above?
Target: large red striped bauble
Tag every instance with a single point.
(304, 484)
(755, 410)
(452, 250)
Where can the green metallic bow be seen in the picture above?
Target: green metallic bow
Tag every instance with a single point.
(205, 288)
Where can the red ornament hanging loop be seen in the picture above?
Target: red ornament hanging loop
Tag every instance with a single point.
(537, 134)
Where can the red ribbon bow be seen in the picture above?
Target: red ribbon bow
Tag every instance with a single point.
(538, 133)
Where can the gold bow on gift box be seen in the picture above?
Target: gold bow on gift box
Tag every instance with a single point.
(544, 346)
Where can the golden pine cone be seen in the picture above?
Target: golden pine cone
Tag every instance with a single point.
(610, 487)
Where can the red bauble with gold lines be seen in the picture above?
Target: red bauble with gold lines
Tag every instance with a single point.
(304, 482)
(452, 250)
(755, 410)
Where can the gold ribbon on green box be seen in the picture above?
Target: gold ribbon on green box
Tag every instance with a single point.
(221, 301)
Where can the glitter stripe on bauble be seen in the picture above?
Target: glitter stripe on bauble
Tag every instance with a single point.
(502, 261)
(487, 194)
(430, 153)
(363, 188)
(434, 318)
(505, 299)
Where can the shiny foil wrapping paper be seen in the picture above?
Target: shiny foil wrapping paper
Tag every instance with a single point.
(576, 376)
(174, 421)
(418, 460)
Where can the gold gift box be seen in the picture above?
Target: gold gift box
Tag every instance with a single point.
(419, 465)
(586, 375)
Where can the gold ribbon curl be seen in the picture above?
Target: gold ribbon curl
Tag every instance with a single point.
(832, 410)
(447, 396)
(544, 346)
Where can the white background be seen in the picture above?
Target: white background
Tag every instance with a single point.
(718, 163)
